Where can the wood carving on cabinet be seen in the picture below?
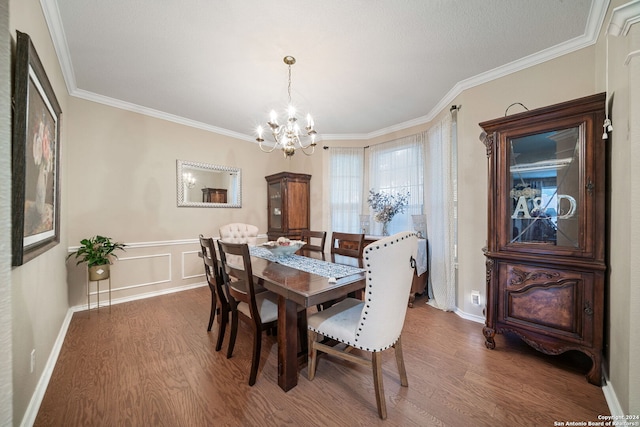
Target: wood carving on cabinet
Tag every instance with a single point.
(545, 254)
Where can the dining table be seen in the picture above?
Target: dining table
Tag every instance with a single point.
(305, 279)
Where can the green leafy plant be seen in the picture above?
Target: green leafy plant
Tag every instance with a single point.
(97, 250)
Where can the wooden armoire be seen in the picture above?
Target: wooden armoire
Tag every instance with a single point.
(288, 206)
(545, 255)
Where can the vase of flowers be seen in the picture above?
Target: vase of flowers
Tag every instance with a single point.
(385, 206)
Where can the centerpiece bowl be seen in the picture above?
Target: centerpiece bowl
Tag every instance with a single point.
(283, 249)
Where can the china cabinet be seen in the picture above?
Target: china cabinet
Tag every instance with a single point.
(545, 254)
(214, 195)
(287, 204)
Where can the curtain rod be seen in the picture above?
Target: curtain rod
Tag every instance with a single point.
(326, 147)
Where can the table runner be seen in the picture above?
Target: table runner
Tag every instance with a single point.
(310, 265)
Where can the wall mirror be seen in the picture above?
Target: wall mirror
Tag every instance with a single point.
(208, 186)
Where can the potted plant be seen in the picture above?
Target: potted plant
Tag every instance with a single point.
(97, 252)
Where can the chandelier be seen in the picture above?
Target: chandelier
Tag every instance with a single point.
(189, 180)
(288, 136)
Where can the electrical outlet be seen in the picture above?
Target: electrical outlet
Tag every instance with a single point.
(33, 360)
(475, 297)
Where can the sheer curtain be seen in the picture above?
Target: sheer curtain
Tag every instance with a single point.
(346, 168)
(397, 167)
(440, 208)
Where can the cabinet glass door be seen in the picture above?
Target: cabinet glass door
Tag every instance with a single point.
(275, 206)
(544, 188)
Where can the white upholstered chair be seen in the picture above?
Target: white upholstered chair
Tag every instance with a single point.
(375, 324)
(238, 232)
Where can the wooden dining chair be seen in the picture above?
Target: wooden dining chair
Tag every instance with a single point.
(347, 244)
(219, 301)
(314, 240)
(259, 310)
(375, 324)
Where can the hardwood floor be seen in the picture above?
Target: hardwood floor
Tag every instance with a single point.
(152, 363)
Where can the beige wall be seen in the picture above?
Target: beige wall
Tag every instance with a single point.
(122, 183)
(623, 352)
(122, 176)
(39, 287)
(631, 283)
(119, 179)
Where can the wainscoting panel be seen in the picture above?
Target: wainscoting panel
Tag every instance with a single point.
(144, 270)
(192, 265)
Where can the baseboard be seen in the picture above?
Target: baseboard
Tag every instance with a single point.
(472, 317)
(36, 399)
(152, 294)
(610, 396)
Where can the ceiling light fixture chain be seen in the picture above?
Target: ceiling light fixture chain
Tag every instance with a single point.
(289, 85)
(288, 137)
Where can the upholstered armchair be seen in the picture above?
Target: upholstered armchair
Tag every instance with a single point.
(239, 233)
(375, 323)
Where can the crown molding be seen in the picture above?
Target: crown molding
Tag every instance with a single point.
(345, 136)
(594, 23)
(54, 23)
(117, 103)
(623, 17)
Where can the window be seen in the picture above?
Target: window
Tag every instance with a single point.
(347, 173)
(397, 167)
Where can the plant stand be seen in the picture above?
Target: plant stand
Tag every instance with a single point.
(97, 294)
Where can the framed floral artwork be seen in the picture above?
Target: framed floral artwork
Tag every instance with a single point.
(35, 157)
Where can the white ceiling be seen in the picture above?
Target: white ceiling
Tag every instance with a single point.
(364, 67)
